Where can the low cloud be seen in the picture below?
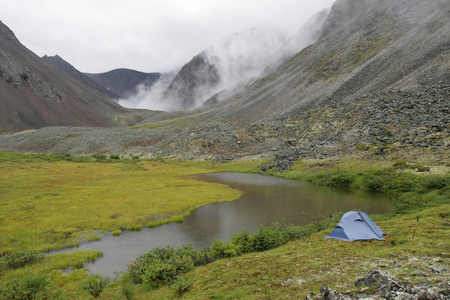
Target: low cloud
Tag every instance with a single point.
(236, 60)
(151, 97)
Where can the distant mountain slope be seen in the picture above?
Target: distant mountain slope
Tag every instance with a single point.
(375, 82)
(34, 93)
(122, 82)
(231, 62)
(69, 69)
(365, 47)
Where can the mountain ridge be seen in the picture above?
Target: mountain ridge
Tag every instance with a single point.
(34, 93)
(69, 69)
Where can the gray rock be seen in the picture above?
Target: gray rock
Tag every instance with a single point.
(330, 294)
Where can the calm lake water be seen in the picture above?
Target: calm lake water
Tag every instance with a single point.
(266, 199)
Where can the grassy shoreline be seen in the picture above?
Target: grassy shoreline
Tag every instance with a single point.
(31, 180)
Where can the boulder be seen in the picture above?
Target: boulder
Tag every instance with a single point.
(380, 285)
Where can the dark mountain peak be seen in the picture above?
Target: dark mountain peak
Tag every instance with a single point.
(124, 81)
(193, 82)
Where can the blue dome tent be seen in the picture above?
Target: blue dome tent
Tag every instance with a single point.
(356, 225)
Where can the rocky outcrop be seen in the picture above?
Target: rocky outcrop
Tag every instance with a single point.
(194, 83)
(380, 285)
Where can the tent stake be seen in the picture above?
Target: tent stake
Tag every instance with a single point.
(417, 221)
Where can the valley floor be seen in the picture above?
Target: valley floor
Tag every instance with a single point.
(38, 190)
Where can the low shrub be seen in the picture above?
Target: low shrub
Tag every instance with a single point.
(244, 241)
(434, 182)
(162, 272)
(19, 259)
(99, 156)
(199, 257)
(94, 285)
(164, 265)
(386, 181)
(267, 238)
(374, 180)
(401, 183)
(26, 286)
(220, 249)
(159, 266)
(293, 233)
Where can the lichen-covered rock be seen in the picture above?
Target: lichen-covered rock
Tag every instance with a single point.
(381, 280)
(330, 294)
(386, 287)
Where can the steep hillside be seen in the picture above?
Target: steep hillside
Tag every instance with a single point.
(34, 93)
(122, 82)
(365, 47)
(69, 69)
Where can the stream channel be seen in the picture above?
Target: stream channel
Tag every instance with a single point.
(266, 199)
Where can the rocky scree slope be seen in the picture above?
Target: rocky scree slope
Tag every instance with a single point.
(376, 82)
(365, 47)
(374, 126)
(34, 94)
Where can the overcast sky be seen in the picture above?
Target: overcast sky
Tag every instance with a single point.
(145, 35)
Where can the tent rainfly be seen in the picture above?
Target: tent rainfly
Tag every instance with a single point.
(356, 225)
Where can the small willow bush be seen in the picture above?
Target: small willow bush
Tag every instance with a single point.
(19, 259)
(160, 266)
(94, 285)
(26, 286)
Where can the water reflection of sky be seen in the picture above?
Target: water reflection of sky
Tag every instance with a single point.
(265, 199)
